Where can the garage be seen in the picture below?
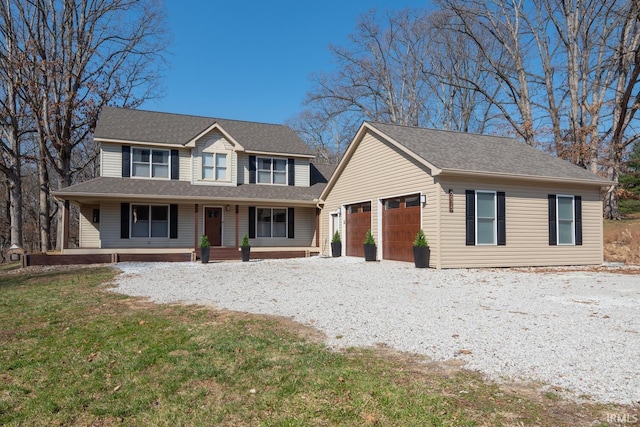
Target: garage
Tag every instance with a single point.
(400, 224)
(358, 222)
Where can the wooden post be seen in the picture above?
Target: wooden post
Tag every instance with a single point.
(317, 227)
(195, 228)
(237, 226)
(65, 225)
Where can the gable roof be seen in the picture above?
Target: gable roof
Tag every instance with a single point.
(448, 153)
(122, 124)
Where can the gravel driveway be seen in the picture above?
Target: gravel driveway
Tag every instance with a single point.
(578, 330)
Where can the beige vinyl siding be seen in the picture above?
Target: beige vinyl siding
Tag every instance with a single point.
(243, 168)
(302, 172)
(378, 170)
(184, 157)
(305, 228)
(110, 229)
(89, 231)
(111, 160)
(527, 227)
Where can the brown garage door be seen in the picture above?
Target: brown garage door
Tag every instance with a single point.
(358, 222)
(400, 224)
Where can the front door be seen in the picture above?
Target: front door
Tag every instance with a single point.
(213, 225)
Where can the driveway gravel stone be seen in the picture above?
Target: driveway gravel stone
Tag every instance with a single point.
(577, 330)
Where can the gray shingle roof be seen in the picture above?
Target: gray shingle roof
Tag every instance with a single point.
(108, 187)
(168, 128)
(455, 151)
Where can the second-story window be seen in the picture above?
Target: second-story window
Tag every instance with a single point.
(272, 171)
(214, 166)
(150, 163)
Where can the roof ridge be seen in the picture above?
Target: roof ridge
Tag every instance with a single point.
(196, 116)
(511, 138)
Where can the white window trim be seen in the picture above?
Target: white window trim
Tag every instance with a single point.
(215, 154)
(286, 170)
(149, 234)
(573, 219)
(495, 217)
(151, 150)
(286, 229)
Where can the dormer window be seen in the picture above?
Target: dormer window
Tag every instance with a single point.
(150, 163)
(214, 166)
(272, 171)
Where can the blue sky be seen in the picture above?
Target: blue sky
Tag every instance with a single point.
(251, 60)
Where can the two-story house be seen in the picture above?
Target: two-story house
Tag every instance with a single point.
(166, 179)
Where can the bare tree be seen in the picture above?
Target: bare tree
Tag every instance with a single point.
(400, 68)
(496, 28)
(381, 77)
(627, 70)
(326, 133)
(453, 64)
(13, 113)
(84, 54)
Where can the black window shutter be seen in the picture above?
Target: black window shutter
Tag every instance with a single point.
(502, 219)
(553, 230)
(175, 164)
(126, 161)
(292, 171)
(124, 220)
(252, 169)
(173, 221)
(252, 222)
(290, 225)
(577, 201)
(471, 217)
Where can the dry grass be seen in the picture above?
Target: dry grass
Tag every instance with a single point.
(622, 240)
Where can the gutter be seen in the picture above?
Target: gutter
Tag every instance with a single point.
(603, 183)
(230, 200)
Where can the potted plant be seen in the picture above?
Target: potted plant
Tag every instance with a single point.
(204, 249)
(245, 247)
(336, 244)
(421, 250)
(370, 249)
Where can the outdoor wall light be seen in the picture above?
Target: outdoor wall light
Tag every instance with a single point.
(423, 199)
(227, 208)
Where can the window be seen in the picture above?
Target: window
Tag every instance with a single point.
(360, 207)
(392, 203)
(272, 171)
(149, 221)
(150, 163)
(485, 218)
(214, 166)
(412, 201)
(565, 212)
(271, 222)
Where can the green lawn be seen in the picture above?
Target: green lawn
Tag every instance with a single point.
(72, 353)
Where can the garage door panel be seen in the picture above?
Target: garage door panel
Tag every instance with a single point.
(400, 224)
(357, 224)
